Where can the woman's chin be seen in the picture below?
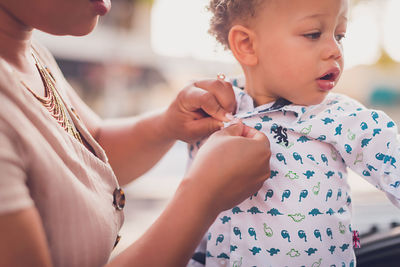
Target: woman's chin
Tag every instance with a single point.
(74, 30)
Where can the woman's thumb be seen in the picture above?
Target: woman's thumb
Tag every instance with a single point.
(235, 129)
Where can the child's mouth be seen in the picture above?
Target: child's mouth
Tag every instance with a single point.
(328, 80)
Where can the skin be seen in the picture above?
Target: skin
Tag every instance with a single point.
(288, 46)
(218, 179)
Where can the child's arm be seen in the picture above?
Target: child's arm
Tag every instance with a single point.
(369, 143)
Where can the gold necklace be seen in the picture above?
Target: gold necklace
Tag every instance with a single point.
(52, 100)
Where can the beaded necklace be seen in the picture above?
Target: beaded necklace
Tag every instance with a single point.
(52, 100)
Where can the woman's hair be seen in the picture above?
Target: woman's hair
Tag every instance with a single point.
(227, 12)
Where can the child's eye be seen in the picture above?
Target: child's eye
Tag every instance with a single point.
(340, 37)
(313, 36)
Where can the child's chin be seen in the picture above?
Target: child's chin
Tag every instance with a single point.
(309, 102)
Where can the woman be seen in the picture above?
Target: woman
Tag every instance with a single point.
(60, 201)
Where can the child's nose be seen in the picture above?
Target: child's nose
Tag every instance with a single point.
(333, 49)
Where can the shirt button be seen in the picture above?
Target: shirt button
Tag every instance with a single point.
(119, 198)
(117, 241)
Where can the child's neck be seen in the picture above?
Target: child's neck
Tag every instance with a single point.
(257, 91)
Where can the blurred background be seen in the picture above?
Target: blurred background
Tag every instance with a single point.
(145, 51)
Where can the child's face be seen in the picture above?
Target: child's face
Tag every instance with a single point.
(300, 54)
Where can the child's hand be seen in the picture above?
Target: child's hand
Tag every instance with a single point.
(232, 165)
(199, 110)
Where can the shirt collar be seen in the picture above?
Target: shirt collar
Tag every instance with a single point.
(245, 106)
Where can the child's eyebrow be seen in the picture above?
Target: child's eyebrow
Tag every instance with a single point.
(313, 16)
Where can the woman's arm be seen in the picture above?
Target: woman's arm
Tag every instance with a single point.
(134, 145)
(218, 179)
(23, 241)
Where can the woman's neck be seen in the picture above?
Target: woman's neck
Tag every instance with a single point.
(15, 41)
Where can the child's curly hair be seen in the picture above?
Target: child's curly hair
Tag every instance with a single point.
(227, 12)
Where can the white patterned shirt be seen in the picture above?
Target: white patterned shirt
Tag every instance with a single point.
(302, 214)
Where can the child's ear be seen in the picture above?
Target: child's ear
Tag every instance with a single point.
(241, 43)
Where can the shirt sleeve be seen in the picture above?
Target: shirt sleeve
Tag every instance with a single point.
(369, 143)
(14, 193)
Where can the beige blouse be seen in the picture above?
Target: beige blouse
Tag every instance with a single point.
(42, 165)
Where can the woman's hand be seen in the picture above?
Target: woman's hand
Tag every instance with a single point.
(199, 110)
(230, 166)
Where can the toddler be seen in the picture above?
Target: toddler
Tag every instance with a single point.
(291, 55)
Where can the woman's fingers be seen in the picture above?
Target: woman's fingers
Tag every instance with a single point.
(222, 92)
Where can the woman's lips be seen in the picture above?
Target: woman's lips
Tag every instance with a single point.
(101, 7)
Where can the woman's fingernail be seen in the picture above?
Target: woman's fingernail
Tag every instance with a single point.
(235, 121)
(229, 116)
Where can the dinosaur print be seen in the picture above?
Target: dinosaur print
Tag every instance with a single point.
(339, 194)
(285, 235)
(350, 135)
(274, 212)
(252, 232)
(236, 210)
(338, 130)
(332, 249)
(298, 217)
(303, 194)
(238, 263)
(292, 175)
(293, 253)
(302, 235)
(364, 126)
(225, 219)
(317, 234)
(220, 239)
(329, 174)
(330, 211)
(376, 132)
(317, 263)
(268, 194)
(375, 116)
(309, 174)
(316, 188)
(365, 142)
(254, 210)
(315, 212)
(324, 159)
(268, 230)
(303, 139)
(273, 174)
(348, 148)
(285, 194)
(328, 120)
(311, 251)
(281, 157)
(273, 251)
(328, 194)
(255, 250)
(306, 130)
(297, 157)
(344, 247)
(329, 232)
(237, 232)
(223, 256)
(386, 158)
